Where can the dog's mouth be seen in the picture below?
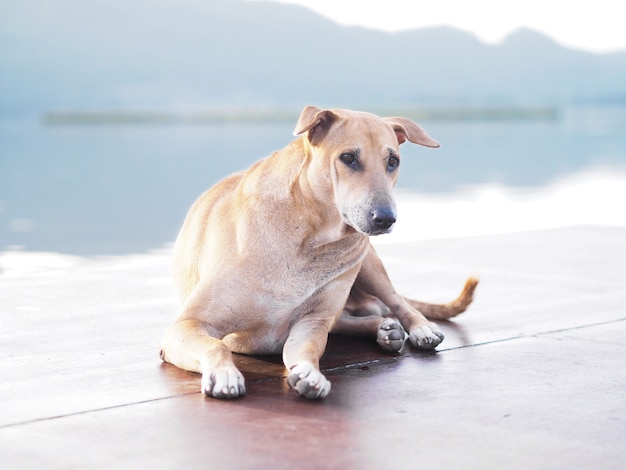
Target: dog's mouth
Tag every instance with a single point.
(379, 231)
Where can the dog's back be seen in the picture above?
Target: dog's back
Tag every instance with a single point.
(194, 235)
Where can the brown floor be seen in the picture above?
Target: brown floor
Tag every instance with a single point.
(532, 376)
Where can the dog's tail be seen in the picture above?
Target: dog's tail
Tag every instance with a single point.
(451, 309)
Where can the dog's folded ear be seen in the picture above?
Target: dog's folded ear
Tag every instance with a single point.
(406, 129)
(316, 122)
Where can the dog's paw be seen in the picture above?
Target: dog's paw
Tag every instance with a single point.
(390, 335)
(223, 382)
(308, 381)
(427, 336)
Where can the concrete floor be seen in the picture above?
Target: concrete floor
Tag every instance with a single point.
(532, 376)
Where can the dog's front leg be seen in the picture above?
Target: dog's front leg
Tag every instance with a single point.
(301, 354)
(373, 280)
(187, 344)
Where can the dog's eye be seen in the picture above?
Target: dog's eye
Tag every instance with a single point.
(393, 162)
(351, 160)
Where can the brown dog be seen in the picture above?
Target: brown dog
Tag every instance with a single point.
(274, 258)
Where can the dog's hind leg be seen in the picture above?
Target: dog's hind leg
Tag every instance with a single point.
(373, 280)
(187, 344)
(365, 315)
(388, 332)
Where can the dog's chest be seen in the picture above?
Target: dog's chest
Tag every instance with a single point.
(299, 273)
(263, 292)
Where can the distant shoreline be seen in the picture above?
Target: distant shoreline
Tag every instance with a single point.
(124, 117)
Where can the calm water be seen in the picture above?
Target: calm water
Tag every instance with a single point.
(121, 189)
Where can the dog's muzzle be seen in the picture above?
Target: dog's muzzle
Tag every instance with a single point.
(369, 219)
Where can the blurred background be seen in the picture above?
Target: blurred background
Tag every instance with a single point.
(116, 115)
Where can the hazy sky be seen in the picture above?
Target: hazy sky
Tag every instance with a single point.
(593, 25)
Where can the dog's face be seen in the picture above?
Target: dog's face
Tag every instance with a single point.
(364, 160)
(357, 157)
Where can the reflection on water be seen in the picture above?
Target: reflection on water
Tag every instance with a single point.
(121, 189)
(593, 197)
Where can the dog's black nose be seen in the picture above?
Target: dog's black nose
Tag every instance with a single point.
(383, 218)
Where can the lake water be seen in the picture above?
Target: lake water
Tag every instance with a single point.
(114, 189)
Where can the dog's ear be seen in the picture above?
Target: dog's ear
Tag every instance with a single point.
(316, 122)
(406, 129)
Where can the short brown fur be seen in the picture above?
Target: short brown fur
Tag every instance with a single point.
(272, 259)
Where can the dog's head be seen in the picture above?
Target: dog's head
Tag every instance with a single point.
(356, 156)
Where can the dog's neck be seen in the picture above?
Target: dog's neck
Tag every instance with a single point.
(285, 189)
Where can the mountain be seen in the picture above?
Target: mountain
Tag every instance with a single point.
(199, 54)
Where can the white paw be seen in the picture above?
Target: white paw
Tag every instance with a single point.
(426, 336)
(223, 382)
(308, 381)
(390, 335)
